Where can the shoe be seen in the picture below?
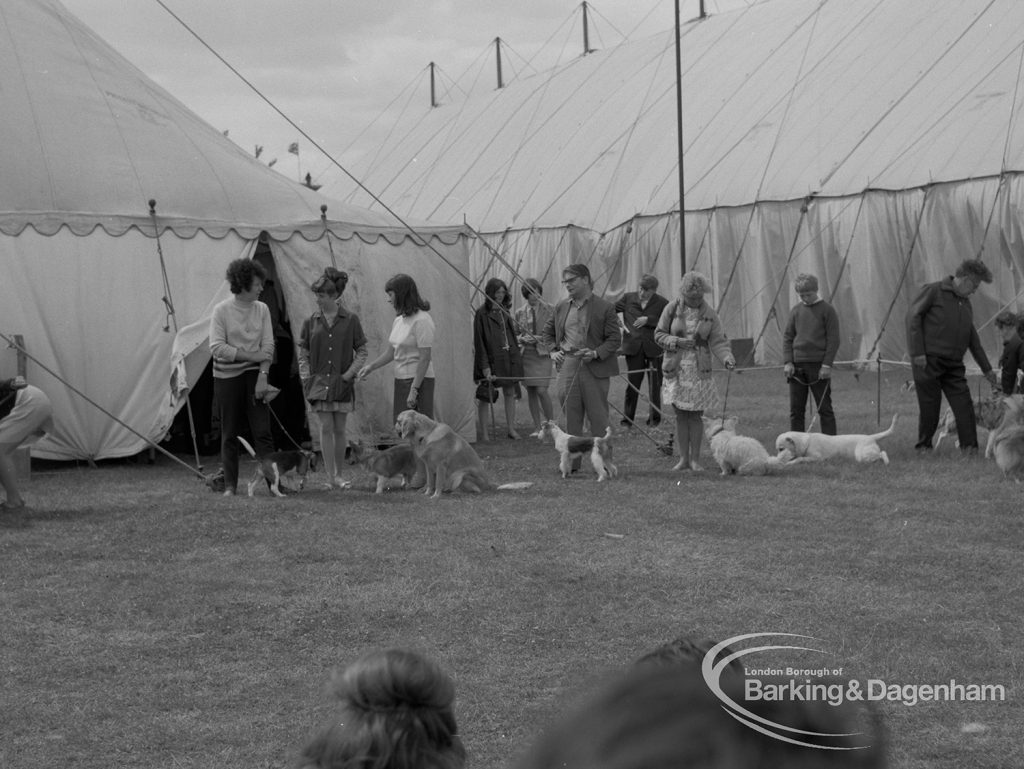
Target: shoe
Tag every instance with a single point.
(626, 422)
(695, 467)
(13, 516)
(514, 435)
(228, 493)
(342, 484)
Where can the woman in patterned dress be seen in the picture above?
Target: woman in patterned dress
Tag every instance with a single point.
(690, 331)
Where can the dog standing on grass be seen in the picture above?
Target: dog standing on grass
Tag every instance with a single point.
(277, 464)
(570, 447)
(394, 462)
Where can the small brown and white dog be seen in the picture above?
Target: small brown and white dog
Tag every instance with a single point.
(393, 462)
(571, 447)
(988, 412)
(737, 454)
(817, 447)
(276, 465)
(451, 463)
(1007, 439)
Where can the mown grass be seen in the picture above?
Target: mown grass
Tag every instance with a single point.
(149, 623)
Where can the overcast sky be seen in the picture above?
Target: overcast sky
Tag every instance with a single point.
(335, 66)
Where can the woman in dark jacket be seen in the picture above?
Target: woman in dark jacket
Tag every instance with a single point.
(332, 348)
(497, 363)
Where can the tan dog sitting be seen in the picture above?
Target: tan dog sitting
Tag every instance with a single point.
(450, 461)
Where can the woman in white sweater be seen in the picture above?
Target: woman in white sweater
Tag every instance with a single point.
(242, 344)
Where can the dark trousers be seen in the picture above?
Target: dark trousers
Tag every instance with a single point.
(583, 397)
(806, 379)
(636, 365)
(939, 376)
(233, 400)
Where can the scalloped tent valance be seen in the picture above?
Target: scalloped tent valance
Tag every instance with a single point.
(97, 297)
(84, 225)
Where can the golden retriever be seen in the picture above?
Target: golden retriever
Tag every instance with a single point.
(450, 461)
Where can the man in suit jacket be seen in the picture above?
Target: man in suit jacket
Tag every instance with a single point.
(584, 337)
(639, 312)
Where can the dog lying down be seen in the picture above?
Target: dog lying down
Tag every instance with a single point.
(1007, 439)
(451, 463)
(737, 454)
(817, 447)
(571, 447)
(276, 465)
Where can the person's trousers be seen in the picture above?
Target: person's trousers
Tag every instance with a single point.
(806, 380)
(943, 376)
(235, 403)
(636, 365)
(583, 396)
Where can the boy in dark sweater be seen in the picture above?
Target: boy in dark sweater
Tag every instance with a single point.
(809, 346)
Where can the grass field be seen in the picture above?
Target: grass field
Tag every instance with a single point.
(147, 622)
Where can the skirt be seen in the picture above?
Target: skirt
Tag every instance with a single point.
(536, 368)
(29, 420)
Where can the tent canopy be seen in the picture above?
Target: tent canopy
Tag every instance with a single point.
(88, 141)
(873, 143)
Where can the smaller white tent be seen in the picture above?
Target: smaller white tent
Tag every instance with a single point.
(88, 141)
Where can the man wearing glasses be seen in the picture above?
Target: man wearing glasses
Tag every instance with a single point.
(584, 336)
(940, 330)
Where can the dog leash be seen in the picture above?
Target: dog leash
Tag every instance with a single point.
(725, 400)
(283, 429)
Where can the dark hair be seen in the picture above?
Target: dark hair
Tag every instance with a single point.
(241, 272)
(974, 268)
(648, 282)
(407, 297)
(579, 270)
(669, 717)
(335, 279)
(491, 290)
(685, 650)
(396, 713)
(531, 286)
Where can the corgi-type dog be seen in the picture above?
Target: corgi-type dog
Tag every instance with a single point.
(397, 461)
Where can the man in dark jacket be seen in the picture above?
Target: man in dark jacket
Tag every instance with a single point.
(639, 313)
(940, 329)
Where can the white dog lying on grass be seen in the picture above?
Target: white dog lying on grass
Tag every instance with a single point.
(816, 447)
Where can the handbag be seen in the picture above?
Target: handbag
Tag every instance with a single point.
(486, 391)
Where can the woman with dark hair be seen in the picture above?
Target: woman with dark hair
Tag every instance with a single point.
(497, 364)
(529, 321)
(242, 345)
(396, 713)
(332, 348)
(411, 340)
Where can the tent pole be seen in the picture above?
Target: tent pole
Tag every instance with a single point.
(174, 320)
(497, 56)
(679, 147)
